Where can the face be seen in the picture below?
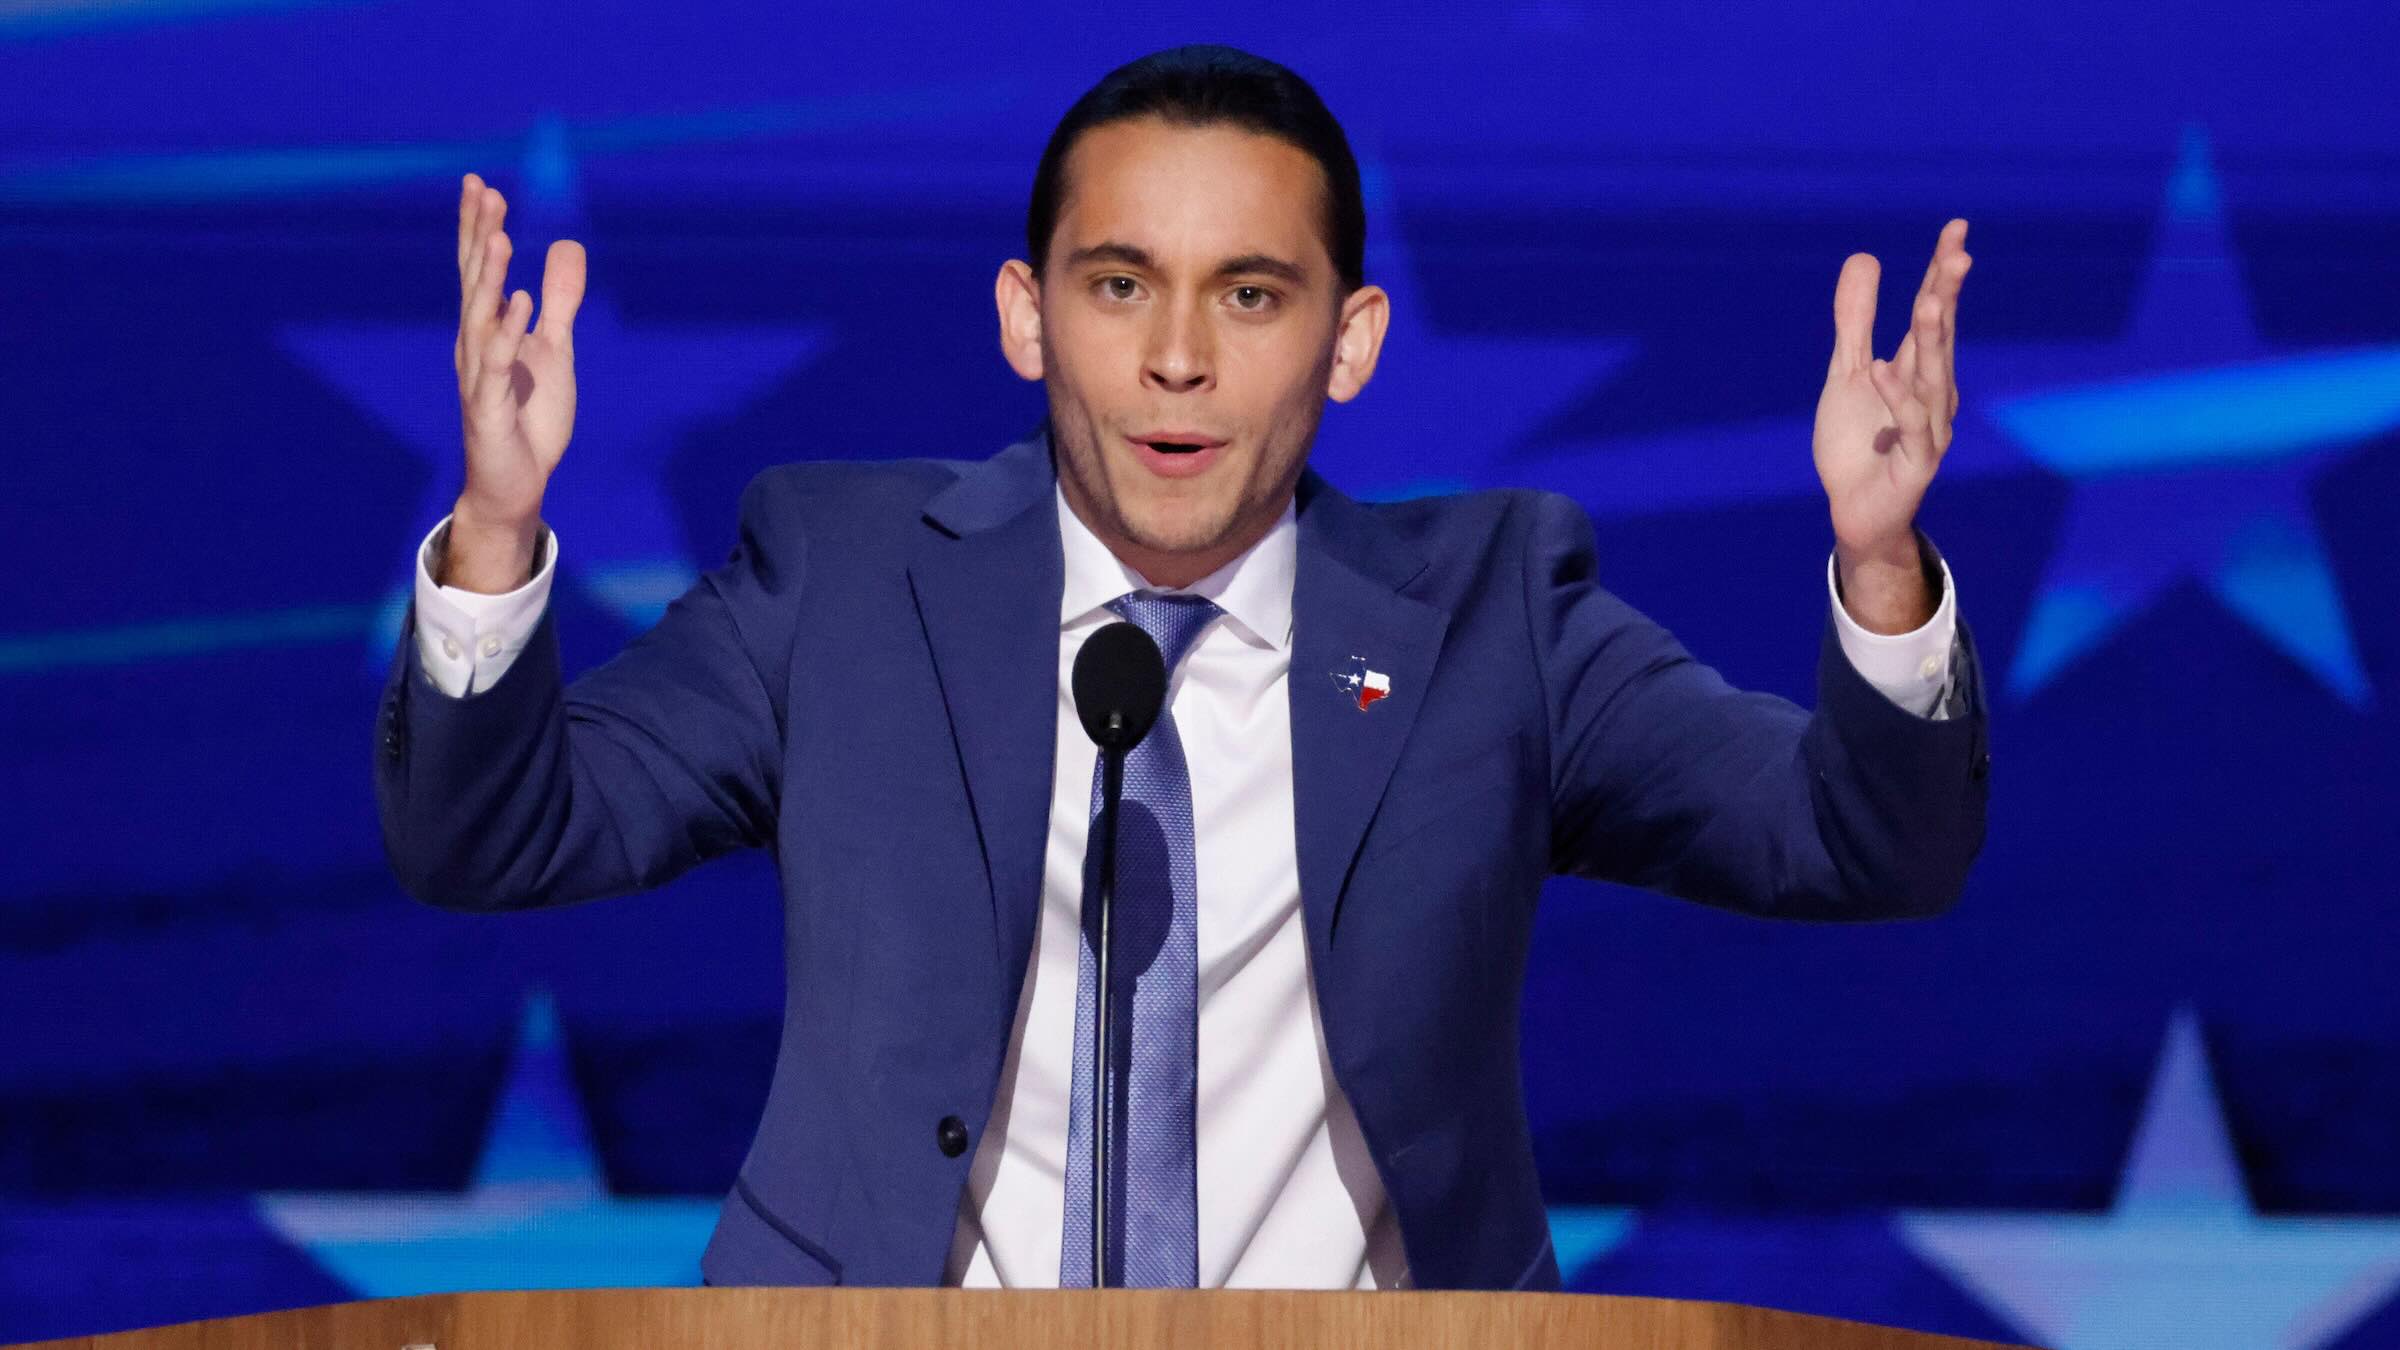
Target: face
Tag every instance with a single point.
(1188, 327)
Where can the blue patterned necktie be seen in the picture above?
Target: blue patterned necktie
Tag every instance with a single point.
(1154, 1016)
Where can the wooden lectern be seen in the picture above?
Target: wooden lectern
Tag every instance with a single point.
(803, 1319)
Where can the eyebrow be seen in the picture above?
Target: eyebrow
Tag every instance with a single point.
(1247, 264)
(1263, 264)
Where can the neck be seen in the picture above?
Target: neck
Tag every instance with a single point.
(1174, 569)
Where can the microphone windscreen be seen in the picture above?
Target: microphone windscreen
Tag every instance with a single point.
(1120, 683)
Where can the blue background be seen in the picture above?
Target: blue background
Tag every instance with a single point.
(2139, 1088)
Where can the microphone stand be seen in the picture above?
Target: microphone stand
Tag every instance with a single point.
(1120, 684)
(1112, 785)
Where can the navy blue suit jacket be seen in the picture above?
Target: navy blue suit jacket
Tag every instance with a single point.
(868, 687)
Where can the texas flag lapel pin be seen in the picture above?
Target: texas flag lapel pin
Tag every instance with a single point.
(1363, 684)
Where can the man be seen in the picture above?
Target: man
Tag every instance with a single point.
(1387, 725)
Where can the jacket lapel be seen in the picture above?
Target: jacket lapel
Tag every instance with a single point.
(1347, 612)
(987, 580)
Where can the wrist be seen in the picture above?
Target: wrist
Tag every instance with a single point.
(1888, 586)
(477, 515)
(1899, 551)
(487, 556)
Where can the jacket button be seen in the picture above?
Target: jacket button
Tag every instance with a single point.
(951, 1134)
(1983, 765)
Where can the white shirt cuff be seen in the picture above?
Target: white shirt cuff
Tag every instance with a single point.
(467, 640)
(1911, 669)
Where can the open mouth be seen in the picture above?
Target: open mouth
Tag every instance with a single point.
(1176, 454)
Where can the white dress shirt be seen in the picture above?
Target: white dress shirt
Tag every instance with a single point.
(1288, 1195)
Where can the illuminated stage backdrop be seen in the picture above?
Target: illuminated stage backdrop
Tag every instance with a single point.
(2140, 1088)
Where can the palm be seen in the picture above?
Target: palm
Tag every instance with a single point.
(543, 389)
(1883, 426)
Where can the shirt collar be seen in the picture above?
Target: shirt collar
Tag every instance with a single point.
(1254, 590)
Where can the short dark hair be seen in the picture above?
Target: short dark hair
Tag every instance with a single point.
(1208, 85)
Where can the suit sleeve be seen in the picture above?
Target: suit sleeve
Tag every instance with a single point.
(529, 794)
(1663, 776)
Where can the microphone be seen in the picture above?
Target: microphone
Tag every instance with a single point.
(1120, 683)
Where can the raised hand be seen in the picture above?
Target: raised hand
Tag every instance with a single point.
(516, 394)
(1882, 429)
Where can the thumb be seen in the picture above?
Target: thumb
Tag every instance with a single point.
(562, 288)
(1854, 313)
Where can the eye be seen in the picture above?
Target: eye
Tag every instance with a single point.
(1119, 287)
(1253, 298)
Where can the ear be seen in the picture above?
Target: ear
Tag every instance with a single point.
(1357, 341)
(1018, 295)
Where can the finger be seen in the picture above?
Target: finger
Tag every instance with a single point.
(1904, 361)
(1946, 275)
(1924, 370)
(499, 356)
(478, 306)
(470, 196)
(471, 256)
(1943, 354)
(491, 283)
(1854, 312)
(1928, 372)
(1954, 282)
(1909, 416)
(1942, 271)
(1934, 318)
(562, 289)
(490, 213)
(1950, 243)
(480, 311)
(1954, 243)
(1948, 270)
(1939, 288)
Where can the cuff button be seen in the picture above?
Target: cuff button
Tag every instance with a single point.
(951, 1136)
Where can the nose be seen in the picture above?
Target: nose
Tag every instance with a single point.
(1179, 358)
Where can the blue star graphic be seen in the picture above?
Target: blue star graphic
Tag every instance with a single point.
(2190, 447)
(1443, 406)
(1582, 1234)
(2181, 1259)
(638, 384)
(539, 1215)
